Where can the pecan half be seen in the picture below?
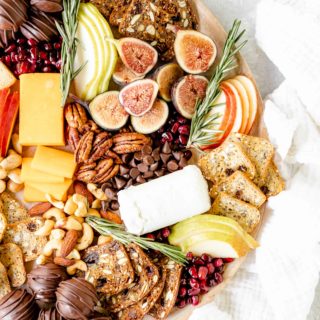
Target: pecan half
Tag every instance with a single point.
(73, 138)
(90, 126)
(84, 147)
(104, 177)
(102, 143)
(129, 142)
(86, 172)
(76, 116)
(112, 155)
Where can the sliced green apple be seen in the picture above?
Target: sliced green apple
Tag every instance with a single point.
(253, 99)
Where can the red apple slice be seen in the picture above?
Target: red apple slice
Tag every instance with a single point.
(8, 118)
(244, 103)
(253, 99)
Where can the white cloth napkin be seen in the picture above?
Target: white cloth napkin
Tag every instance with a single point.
(278, 281)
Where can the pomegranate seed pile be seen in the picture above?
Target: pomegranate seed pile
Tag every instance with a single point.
(198, 276)
(176, 131)
(27, 56)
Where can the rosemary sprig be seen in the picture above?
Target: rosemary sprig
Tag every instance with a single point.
(202, 131)
(119, 233)
(69, 45)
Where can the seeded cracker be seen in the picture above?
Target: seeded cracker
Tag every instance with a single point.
(139, 310)
(167, 300)
(4, 281)
(146, 277)
(3, 221)
(12, 258)
(12, 208)
(22, 233)
(109, 268)
(119, 11)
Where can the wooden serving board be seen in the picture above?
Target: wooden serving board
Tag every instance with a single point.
(210, 25)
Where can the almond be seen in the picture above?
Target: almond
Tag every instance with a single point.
(69, 242)
(64, 262)
(81, 188)
(39, 208)
(111, 216)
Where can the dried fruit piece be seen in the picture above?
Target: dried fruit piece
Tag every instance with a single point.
(137, 55)
(107, 111)
(138, 97)
(153, 120)
(195, 52)
(166, 76)
(122, 75)
(186, 91)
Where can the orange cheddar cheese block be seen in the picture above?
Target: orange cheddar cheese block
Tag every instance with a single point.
(56, 190)
(53, 161)
(41, 114)
(31, 194)
(28, 174)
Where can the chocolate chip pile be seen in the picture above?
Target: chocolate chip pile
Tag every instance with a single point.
(140, 167)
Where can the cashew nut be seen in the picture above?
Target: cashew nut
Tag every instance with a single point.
(98, 193)
(3, 173)
(57, 234)
(50, 246)
(104, 239)
(56, 203)
(79, 265)
(55, 213)
(86, 239)
(96, 204)
(70, 206)
(74, 255)
(12, 161)
(15, 176)
(82, 205)
(45, 230)
(73, 224)
(60, 224)
(93, 212)
(15, 143)
(42, 259)
(14, 187)
(3, 186)
(80, 219)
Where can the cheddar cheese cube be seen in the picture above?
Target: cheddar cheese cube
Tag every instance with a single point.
(56, 190)
(41, 114)
(31, 194)
(28, 174)
(56, 162)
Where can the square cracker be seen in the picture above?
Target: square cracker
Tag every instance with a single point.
(23, 234)
(109, 268)
(12, 208)
(4, 281)
(12, 258)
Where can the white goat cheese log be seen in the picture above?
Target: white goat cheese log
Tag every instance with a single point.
(164, 201)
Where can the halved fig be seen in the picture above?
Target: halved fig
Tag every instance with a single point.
(166, 76)
(138, 97)
(107, 111)
(153, 120)
(186, 91)
(195, 52)
(139, 56)
(123, 75)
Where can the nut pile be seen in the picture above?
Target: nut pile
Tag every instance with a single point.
(142, 166)
(10, 172)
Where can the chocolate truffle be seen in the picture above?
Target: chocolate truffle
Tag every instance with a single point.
(43, 280)
(51, 314)
(18, 305)
(76, 299)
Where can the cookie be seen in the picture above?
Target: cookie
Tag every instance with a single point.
(167, 300)
(12, 258)
(241, 187)
(4, 281)
(12, 208)
(22, 233)
(247, 215)
(146, 277)
(109, 268)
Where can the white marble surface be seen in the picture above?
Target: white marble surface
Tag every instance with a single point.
(268, 78)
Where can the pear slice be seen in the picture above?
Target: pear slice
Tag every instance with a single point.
(209, 221)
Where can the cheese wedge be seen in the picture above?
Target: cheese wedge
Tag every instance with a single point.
(55, 162)
(31, 194)
(56, 190)
(41, 114)
(28, 174)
